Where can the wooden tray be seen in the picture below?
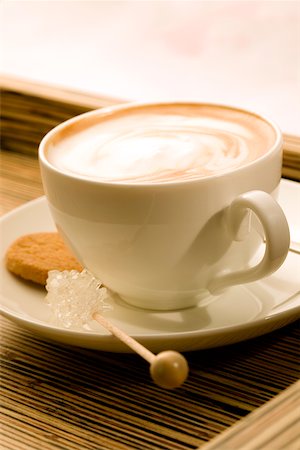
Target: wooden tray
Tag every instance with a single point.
(62, 398)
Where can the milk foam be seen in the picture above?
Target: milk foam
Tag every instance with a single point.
(161, 144)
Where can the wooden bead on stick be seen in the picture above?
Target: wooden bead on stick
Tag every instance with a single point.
(168, 369)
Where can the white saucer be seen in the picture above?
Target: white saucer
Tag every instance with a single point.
(242, 313)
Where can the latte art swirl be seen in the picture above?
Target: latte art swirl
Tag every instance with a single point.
(163, 145)
(162, 154)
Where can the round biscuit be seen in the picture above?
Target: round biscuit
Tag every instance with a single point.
(32, 256)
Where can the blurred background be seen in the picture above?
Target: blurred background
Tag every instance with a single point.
(243, 53)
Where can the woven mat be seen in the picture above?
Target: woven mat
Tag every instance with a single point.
(60, 397)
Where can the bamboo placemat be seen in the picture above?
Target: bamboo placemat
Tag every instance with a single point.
(56, 397)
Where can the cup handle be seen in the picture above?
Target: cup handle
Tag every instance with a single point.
(276, 232)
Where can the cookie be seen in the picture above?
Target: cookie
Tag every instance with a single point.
(32, 256)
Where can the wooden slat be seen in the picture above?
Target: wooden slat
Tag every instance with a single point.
(274, 426)
(20, 180)
(54, 93)
(291, 157)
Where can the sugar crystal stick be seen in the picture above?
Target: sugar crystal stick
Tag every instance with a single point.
(66, 290)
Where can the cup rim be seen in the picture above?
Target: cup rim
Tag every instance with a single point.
(109, 110)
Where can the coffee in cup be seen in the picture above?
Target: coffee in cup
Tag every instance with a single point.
(168, 203)
(162, 143)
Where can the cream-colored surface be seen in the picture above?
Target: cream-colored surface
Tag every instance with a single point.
(233, 52)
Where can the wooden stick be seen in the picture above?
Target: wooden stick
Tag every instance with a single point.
(122, 336)
(168, 369)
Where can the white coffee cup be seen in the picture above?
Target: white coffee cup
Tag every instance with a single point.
(168, 203)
